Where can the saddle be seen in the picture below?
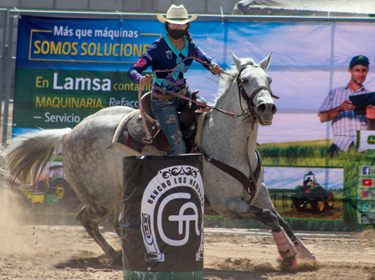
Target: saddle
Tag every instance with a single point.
(133, 130)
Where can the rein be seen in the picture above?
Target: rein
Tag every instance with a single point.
(140, 90)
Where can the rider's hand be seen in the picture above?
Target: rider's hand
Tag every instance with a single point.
(216, 69)
(347, 106)
(146, 80)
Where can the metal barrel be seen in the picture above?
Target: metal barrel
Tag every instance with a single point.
(161, 217)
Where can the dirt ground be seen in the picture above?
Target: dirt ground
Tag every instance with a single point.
(68, 252)
(30, 251)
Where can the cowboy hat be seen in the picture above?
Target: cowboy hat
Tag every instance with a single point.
(177, 15)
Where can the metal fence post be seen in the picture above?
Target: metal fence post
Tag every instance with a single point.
(2, 56)
(8, 80)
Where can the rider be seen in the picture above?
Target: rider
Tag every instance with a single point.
(165, 54)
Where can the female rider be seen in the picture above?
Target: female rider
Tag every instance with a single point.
(164, 54)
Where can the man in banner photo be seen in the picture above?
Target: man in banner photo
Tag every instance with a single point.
(165, 54)
(339, 109)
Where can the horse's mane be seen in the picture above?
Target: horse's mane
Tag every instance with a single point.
(226, 81)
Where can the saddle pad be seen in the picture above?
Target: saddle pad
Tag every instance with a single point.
(126, 140)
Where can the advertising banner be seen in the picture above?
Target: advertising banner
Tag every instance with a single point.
(69, 68)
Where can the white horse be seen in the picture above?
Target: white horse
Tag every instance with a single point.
(93, 165)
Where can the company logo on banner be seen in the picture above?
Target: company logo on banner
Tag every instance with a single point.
(367, 182)
(371, 140)
(172, 208)
(366, 170)
(366, 194)
(365, 140)
(368, 206)
(366, 218)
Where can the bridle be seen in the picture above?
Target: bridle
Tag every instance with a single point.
(249, 99)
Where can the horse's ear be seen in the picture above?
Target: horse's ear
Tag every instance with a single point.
(236, 61)
(266, 62)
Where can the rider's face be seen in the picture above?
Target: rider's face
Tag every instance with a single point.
(177, 26)
(358, 73)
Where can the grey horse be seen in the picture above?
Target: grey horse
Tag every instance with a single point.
(93, 165)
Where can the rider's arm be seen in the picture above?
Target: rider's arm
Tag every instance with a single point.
(136, 69)
(198, 53)
(142, 64)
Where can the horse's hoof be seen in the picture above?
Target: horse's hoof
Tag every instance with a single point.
(290, 265)
(311, 261)
(279, 259)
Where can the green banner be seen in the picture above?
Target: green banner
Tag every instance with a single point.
(52, 99)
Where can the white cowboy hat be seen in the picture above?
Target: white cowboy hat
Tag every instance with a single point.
(177, 15)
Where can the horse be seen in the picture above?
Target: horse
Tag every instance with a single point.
(93, 166)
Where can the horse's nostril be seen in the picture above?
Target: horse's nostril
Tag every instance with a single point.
(262, 107)
(274, 109)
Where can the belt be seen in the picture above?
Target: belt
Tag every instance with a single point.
(169, 96)
(162, 96)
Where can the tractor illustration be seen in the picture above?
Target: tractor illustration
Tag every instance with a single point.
(310, 192)
(52, 188)
(55, 185)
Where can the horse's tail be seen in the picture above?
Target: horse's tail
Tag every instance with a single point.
(28, 154)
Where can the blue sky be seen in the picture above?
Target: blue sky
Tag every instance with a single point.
(290, 177)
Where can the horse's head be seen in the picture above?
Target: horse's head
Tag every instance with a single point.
(254, 87)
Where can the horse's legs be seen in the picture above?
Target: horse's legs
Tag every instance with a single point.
(113, 218)
(285, 225)
(303, 252)
(241, 210)
(263, 201)
(90, 221)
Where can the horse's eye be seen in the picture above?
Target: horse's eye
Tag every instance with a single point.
(245, 80)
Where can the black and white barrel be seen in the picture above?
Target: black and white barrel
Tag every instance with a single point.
(161, 217)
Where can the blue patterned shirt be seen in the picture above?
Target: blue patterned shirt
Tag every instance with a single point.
(163, 55)
(346, 123)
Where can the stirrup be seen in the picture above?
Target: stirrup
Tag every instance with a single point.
(147, 140)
